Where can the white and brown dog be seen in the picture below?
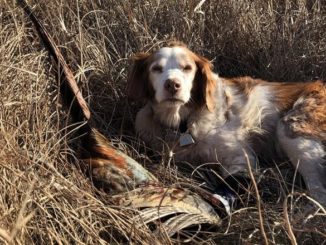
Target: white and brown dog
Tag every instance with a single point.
(225, 117)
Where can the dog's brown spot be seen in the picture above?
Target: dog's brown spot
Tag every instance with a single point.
(286, 94)
(308, 115)
(138, 85)
(244, 85)
(204, 85)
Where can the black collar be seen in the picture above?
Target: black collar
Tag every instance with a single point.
(183, 127)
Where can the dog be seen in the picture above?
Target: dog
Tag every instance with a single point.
(205, 118)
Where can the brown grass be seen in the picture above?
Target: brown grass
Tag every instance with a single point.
(44, 196)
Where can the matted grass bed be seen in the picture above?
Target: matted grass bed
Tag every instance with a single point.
(46, 198)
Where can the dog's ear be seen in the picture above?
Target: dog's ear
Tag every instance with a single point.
(206, 83)
(138, 86)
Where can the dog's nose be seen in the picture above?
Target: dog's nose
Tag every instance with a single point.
(172, 86)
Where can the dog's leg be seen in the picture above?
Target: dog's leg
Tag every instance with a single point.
(236, 178)
(237, 163)
(308, 156)
(147, 129)
(156, 137)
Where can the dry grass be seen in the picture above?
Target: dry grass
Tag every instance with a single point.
(46, 199)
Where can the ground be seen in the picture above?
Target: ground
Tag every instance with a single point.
(45, 196)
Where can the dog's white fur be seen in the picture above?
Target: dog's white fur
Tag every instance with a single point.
(227, 117)
(172, 62)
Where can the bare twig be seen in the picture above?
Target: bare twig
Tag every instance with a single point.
(287, 222)
(261, 219)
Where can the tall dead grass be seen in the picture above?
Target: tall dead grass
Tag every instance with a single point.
(46, 199)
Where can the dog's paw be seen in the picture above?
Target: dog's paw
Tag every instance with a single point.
(233, 187)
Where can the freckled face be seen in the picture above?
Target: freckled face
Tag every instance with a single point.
(172, 74)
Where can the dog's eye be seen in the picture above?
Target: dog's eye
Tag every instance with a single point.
(157, 68)
(187, 68)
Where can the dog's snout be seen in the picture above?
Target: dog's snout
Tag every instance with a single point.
(172, 86)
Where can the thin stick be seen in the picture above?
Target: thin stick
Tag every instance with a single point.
(287, 221)
(261, 219)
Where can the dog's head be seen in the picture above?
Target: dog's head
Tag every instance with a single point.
(172, 76)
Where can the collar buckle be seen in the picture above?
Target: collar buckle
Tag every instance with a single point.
(186, 139)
